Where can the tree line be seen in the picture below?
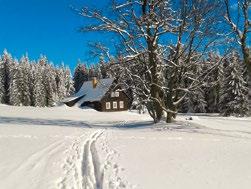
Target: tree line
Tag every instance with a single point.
(38, 83)
(224, 89)
(33, 83)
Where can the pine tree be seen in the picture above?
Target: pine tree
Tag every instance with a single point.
(80, 75)
(194, 101)
(68, 82)
(103, 68)
(233, 99)
(1, 81)
(49, 83)
(213, 83)
(60, 82)
(92, 72)
(39, 91)
(98, 73)
(32, 83)
(197, 96)
(14, 90)
(25, 81)
(5, 77)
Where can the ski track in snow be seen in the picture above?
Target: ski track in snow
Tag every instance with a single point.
(32, 161)
(35, 161)
(82, 167)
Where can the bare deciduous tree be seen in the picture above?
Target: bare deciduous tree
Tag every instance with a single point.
(160, 42)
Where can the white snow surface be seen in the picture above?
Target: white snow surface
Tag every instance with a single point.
(76, 148)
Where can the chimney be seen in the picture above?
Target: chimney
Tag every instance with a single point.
(94, 82)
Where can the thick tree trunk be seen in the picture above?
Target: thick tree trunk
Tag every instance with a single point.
(155, 93)
(155, 90)
(153, 63)
(169, 117)
(170, 105)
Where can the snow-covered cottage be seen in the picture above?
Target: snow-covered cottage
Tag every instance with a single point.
(101, 95)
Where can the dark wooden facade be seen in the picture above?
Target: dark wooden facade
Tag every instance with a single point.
(109, 99)
(95, 105)
(117, 103)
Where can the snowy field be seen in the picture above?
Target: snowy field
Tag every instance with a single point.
(71, 148)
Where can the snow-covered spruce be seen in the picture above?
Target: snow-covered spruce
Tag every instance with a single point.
(80, 75)
(83, 72)
(213, 83)
(6, 61)
(233, 98)
(24, 81)
(15, 98)
(31, 83)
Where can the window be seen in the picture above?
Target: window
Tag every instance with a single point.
(108, 105)
(116, 94)
(121, 104)
(114, 105)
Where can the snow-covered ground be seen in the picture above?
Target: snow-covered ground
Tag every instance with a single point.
(83, 149)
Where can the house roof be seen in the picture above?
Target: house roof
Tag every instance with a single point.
(88, 93)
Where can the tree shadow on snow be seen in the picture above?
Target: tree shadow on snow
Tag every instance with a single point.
(73, 123)
(133, 125)
(186, 127)
(45, 122)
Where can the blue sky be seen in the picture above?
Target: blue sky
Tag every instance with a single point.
(46, 27)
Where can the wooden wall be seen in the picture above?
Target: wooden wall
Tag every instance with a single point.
(108, 98)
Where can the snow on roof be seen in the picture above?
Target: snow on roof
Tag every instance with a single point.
(71, 98)
(96, 94)
(79, 94)
(92, 94)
